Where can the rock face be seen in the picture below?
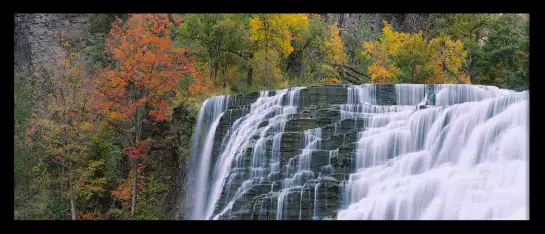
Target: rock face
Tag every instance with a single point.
(288, 154)
(35, 40)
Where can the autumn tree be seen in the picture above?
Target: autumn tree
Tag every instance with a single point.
(141, 81)
(383, 70)
(402, 57)
(413, 59)
(272, 35)
(312, 51)
(471, 29)
(63, 122)
(269, 47)
(321, 52)
(336, 57)
(215, 38)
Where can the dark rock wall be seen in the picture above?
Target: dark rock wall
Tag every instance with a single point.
(169, 153)
(179, 139)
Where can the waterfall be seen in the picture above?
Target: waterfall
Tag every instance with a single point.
(404, 151)
(465, 159)
(207, 122)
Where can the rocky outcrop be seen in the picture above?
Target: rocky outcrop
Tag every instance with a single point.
(182, 125)
(169, 153)
(36, 37)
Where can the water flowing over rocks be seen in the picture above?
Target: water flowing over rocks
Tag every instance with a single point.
(372, 151)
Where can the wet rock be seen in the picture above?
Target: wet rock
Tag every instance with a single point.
(299, 125)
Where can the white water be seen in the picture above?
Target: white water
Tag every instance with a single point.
(204, 132)
(463, 157)
(465, 161)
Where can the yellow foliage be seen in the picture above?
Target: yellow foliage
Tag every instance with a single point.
(465, 78)
(86, 126)
(448, 59)
(441, 59)
(334, 46)
(272, 35)
(277, 30)
(383, 70)
(392, 40)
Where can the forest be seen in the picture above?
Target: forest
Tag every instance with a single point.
(81, 122)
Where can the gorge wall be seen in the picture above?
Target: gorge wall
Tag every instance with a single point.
(361, 152)
(35, 42)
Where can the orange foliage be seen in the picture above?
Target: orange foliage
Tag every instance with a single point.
(465, 78)
(147, 68)
(124, 191)
(333, 81)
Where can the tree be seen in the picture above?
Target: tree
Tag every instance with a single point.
(272, 35)
(383, 70)
(503, 59)
(412, 59)
(448, 58)
(312, 50)
(334, 50)
(212, 36)
(401, 57)
(471, 29)
(23, 154)
(141, 81)
(64, 120)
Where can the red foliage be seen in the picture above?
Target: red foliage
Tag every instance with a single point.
(139, 151)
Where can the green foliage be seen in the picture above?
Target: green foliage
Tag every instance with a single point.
(102, 146)
(101, 23)
(150, 205)
(97, 58)
(22, 107)
(410, 58)
(147, 211)
(470, 28)
(353, 41)
(213, 38)
(503, 59)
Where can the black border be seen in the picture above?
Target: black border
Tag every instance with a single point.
(290, 7)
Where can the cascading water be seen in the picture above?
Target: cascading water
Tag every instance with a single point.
(388, 152)
(207, 122)
(464, 161)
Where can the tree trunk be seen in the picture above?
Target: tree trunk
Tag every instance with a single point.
(133, 161)
(223, 71)
(72, 196)
(212, 75)
(216, 66)
(341, 23)
(249, 80)
(133, 186)
(73, 205)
